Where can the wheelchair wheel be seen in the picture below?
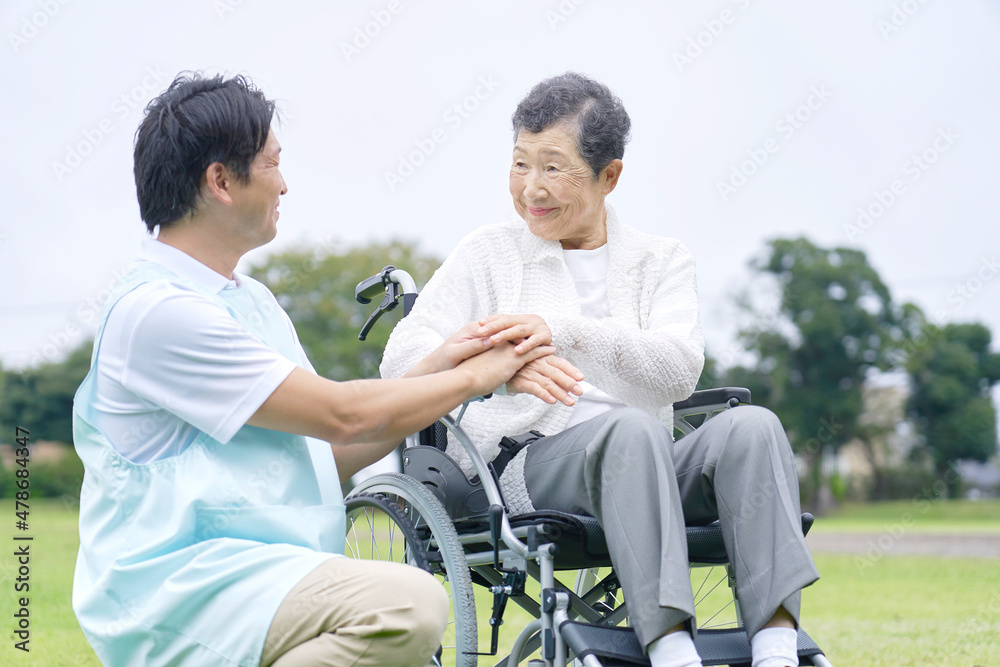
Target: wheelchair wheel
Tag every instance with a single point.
(394, 517)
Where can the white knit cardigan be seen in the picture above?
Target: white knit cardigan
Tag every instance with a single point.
(648, 354)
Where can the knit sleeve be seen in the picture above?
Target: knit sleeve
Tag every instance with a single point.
(651, 365)
(447, 303)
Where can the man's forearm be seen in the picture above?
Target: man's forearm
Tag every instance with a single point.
(373, 411)
(362, 411)
(352, 458)
(356, 456)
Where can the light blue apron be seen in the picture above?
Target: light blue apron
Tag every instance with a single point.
(185, 560)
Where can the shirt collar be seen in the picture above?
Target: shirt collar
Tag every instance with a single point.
(185, 266)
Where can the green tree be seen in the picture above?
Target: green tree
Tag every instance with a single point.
(834, 324)
(952, 371)
(316, 289)
(41, 399)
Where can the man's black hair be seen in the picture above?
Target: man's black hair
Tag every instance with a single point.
(195, 122)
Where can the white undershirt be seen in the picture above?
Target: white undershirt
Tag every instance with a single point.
(589, 269)
(174, 363)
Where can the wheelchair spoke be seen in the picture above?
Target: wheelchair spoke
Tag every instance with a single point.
(355, 550)
(703, 582)
(718, 625)
(717, 584)
(373, 533)
(392, 537)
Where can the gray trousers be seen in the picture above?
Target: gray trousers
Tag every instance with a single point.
(622, 468)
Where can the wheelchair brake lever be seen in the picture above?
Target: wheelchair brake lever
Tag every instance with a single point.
(512, 585)
(388, 303)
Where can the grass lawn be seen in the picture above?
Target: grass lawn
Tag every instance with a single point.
(899, 611)
(918, 516)
(56, 638)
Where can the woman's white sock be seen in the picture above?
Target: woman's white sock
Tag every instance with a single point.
(674, 650)
(775, 647)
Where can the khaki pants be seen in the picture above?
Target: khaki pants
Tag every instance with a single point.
(352, 613)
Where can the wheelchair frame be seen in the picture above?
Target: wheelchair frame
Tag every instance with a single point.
(500, 554)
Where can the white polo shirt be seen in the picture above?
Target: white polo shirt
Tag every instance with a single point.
(173, 363)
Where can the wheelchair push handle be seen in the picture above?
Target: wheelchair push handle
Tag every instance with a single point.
(395, 284)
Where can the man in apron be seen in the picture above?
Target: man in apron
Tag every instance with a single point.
(211, 515)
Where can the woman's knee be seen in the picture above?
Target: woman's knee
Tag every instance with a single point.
(633, 440)
(754, 433)
(630, 427)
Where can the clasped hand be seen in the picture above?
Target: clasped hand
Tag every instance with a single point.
(537, 370)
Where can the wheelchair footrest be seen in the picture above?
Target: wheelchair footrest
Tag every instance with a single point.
(731, 647)
(614, 647)
(619, 647)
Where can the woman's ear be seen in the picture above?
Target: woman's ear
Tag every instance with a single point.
(610, 174)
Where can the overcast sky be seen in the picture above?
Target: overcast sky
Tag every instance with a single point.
(751, 120)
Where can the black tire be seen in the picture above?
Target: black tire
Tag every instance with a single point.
(393, 509)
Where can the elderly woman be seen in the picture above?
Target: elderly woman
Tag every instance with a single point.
(621, 309)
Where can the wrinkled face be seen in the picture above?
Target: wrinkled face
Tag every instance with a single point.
(554, 189)
(258, 199)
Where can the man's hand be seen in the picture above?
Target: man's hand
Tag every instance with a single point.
(527, 331)
(494, 367)
(464, 343)
(550, 378)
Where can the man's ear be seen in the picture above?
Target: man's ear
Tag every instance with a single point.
(217, 182)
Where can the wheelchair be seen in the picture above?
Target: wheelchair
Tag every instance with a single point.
(432, 516)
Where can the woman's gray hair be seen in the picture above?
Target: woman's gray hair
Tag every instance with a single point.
(602, 123)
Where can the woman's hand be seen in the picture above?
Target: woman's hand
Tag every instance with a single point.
(458, 347)
(527, 331)
(497, 365)
(550, 378)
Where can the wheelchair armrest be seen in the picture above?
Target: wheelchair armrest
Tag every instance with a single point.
(720, 396)
(702, 405)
